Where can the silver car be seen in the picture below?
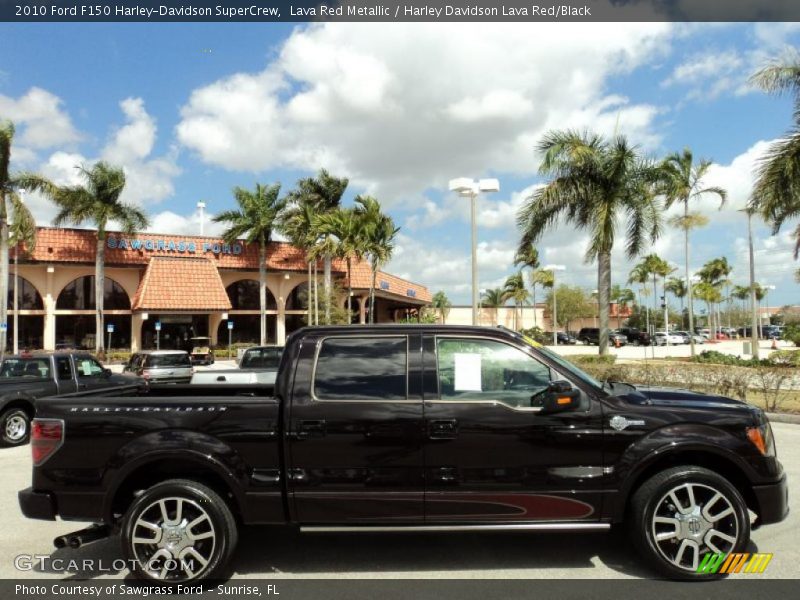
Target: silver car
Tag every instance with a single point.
(161, 366)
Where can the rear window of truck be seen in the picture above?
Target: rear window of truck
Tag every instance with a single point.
(25, 367)
(361, 369)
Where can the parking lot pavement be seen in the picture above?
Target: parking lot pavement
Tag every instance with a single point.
(269, 552)
(733, 347)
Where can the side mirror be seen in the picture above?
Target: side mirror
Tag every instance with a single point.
(107, 372)
(560, 397)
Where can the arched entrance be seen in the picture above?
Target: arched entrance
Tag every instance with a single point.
(76, 328)
(245, 315)
(31, 326)
(297, 305)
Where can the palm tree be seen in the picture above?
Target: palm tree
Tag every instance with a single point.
(683, 182)
(741, 293)
(677, 287)
(298, 224)
(255, 220)
(715, 272)
(776, 193)
(379, 233)
(544, 278)
(710, 294)
(494, 298)
(324, 193)
(441, 303)
(623, 297)
(98, 201)
(343, 231)
(515, 290)
(641, 274)
(595, 184)
(12, 208)
(528, 256)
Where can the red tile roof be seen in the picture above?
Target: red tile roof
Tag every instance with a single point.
(54, 245)
(181, 284)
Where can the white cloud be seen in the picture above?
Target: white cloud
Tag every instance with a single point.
(170, 222)
(709, 74)
(40, 119)
(399, 117)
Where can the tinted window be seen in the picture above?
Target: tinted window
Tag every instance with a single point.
(262, 358)
(361, 369)
(167, 360)
(64, 368)
(26, 367)
(483, 370)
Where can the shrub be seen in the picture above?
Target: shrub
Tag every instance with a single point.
(792, 334)
(785, 358)
(591, 359)
(537, 335)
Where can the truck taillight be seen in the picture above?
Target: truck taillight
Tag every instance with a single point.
(47, 435)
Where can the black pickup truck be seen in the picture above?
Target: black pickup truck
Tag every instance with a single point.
(26, 377)
(404, 428)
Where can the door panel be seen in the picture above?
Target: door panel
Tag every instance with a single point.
(355, 433)
(498, 458)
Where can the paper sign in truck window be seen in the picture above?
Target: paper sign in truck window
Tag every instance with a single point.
(468, 372)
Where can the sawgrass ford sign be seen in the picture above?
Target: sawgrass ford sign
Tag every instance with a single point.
(172, 245)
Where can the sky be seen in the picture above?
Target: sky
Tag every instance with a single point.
(192, 110)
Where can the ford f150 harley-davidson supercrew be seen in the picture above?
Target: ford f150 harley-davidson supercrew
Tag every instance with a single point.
(404, 428)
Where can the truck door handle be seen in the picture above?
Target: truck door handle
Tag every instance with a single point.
(443, 430)
(308, 429)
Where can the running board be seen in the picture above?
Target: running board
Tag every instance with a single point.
(486, 527)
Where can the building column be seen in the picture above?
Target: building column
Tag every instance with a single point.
(214, 319)
(49, 334)
(137, 319)
(362, 316)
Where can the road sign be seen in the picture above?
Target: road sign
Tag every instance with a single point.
(158, 325)
(110, 328)
(230, 324)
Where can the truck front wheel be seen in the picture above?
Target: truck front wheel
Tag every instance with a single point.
(15, 427)
(178, 531)
(685, 513)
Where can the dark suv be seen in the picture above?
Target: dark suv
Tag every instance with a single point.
(635, 336)
(591, 336)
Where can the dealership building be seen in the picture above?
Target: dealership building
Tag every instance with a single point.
(177, 287)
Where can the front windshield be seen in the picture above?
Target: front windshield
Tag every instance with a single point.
(565, 364)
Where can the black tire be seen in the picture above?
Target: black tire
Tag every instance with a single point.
(197, 499)
(15, 427)
(653, 496)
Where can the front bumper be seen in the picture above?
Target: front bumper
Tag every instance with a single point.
(773, 501)
(37, 505)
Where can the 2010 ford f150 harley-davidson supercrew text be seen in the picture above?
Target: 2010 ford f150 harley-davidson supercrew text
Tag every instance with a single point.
(404, 428)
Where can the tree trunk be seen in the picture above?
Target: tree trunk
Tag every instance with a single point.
(535, 324)
(688, 275)
(349, 292)
(310, 297)
(316, 293)
(655, 303)
(99, 290)
(603, 295)
(372, 294)
(262, 290)
(327, 290)
(3, 274)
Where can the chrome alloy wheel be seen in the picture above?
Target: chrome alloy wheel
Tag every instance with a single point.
(691, 520)
(16, 428)
(173, 539)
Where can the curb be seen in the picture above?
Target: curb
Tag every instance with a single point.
(783, 418)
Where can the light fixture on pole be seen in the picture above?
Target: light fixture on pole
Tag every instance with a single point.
(470, 188)
(201, 206)
(553, 269)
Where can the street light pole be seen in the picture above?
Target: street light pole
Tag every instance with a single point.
(201, 207)
(469, 188)
(753, 314)
(15, 304)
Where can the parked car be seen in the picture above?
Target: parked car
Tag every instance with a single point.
(591, 335)
(161, 366)
(24, 378)
(635, 337)
(201, 353)
(698, 339)
(563, 338)
(261, 357)
(664, 338)
(398, 429)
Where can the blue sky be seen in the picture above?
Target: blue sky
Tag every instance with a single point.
(190, 110)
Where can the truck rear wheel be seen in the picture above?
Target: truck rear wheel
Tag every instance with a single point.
(178, 531)
(15, 427)
(683, 513)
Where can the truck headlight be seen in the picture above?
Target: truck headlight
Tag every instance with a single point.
(761, 437)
